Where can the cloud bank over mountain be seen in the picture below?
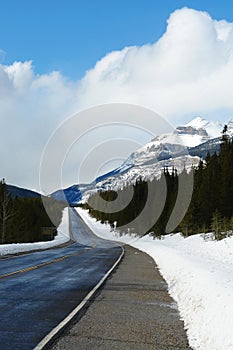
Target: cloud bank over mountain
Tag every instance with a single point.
(188, 71)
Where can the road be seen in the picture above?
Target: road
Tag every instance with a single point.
(39, 290)
(132, 311)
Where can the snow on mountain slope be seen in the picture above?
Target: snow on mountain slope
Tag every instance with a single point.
(183, 138)
(167, 150)
(156, 151)
(144, 172)
(213, 129)
(197, 131)
(180, 149)
(174, 144)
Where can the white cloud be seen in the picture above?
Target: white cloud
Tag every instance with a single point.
(31, 107)
(187, 72)
(21, 75)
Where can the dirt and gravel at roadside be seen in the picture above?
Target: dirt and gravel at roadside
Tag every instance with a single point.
(132, 310)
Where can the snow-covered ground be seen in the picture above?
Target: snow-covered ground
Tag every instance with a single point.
(199, 274)
(61, 237)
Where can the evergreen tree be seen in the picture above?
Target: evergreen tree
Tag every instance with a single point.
(22, 219)
(6, 212)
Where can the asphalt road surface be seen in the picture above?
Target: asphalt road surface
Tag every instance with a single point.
(38, 290)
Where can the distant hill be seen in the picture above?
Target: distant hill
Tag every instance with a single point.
(21, 192)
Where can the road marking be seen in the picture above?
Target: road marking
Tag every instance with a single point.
(45, 263)
(62, 324)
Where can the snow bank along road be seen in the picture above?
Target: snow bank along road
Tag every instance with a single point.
(39, 290)
(199, 273)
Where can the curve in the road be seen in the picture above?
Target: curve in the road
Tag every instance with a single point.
(40, 292)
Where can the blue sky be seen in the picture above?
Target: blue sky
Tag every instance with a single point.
(60, 57)
(70, 36)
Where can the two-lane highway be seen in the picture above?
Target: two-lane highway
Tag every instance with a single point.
(39, 290)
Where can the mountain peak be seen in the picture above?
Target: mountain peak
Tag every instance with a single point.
(198, 122)
(213, 129)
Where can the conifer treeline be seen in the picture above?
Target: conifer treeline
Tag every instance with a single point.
(211, 207)
(24, 220)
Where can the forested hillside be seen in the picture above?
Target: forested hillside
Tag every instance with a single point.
(211, 207)
(25, 220)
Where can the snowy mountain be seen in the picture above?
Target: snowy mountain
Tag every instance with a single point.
(177, 143)
(213, 129)
(180, 149)
(197, 131)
